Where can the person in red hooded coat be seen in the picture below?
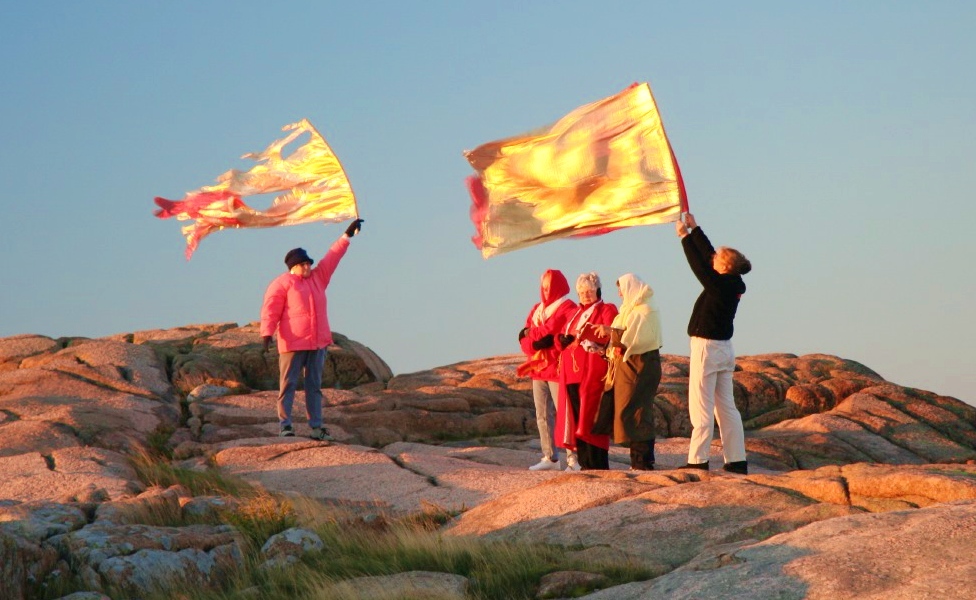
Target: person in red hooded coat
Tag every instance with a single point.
(582, 369)
(537, 339)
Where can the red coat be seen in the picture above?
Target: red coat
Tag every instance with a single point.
(295, 307)
(588, 369)
(544, 364)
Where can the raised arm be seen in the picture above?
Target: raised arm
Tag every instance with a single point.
(698, 250)
(324, 270)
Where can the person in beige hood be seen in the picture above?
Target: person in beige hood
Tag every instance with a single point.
(635, 352)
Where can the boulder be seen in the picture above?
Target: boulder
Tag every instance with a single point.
(16, 348)
(67, 474)
(231, 356)
(126, 367)
(887, 555)
(411, 584)
(287, 547)
(94, 392)
(23, 564)
(39, 520)
(138, 558)
(698, 511)
(564, 584)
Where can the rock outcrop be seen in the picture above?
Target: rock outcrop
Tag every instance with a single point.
(900, 555)
(838, 456)
(228, 355)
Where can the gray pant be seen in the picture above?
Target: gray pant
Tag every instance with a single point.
(544, 393)
(291, 366)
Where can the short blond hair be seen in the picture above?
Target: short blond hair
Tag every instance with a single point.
(738, 263)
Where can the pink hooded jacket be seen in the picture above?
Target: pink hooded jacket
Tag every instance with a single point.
(296, 308)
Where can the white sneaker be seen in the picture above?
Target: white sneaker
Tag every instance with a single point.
(572, 464)
(545, 465)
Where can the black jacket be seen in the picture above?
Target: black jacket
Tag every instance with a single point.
(715, 307)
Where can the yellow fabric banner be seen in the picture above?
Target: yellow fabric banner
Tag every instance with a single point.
(604, 166)
(315, 185)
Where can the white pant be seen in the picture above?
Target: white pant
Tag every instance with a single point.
(710, 399)
(544, 393)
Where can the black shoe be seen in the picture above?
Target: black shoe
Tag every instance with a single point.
(644, 467)
(702, 466)
(287, 431)
(740, 466)
(642, 456)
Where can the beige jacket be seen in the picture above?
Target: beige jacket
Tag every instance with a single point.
(638, 319)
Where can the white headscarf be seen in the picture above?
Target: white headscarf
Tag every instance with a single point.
(638, 318)
(634, 292)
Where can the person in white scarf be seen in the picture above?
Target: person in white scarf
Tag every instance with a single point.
(635, 352)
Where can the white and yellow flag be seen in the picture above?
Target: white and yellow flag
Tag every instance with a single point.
(315, 185)
(604, 166)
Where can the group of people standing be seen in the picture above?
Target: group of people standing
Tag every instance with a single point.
(595, 369)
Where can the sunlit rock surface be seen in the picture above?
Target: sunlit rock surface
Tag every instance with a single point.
(840, 460)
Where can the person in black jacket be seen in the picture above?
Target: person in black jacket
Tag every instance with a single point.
(712, 356)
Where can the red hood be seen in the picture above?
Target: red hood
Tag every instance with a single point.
(558, 286)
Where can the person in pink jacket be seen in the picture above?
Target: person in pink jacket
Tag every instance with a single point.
(537, 339)
(295, 308)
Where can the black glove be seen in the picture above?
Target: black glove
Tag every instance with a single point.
(565, 340)
(267, 343)
(354, 227)
(524, 332)
(543, 343)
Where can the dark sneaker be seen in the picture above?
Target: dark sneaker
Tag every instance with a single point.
(703, 466)
(740, 466)
(287, 431)
(321, 434)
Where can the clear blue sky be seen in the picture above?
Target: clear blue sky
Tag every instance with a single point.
(831, 142)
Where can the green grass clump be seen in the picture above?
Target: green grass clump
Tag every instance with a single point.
(255, 513)
(354, 546)
(496, 570)
(260, 516)
(157, 441)
(154, 470)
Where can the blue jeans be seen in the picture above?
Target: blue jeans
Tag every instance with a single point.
(291, 366)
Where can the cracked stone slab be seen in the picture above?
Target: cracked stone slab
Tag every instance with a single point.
(66, 473)
(347, 475)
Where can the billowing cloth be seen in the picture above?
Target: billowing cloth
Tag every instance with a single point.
(316, 187)
(604, 166)
(296, 307)
(587, 369)
(545, 321)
